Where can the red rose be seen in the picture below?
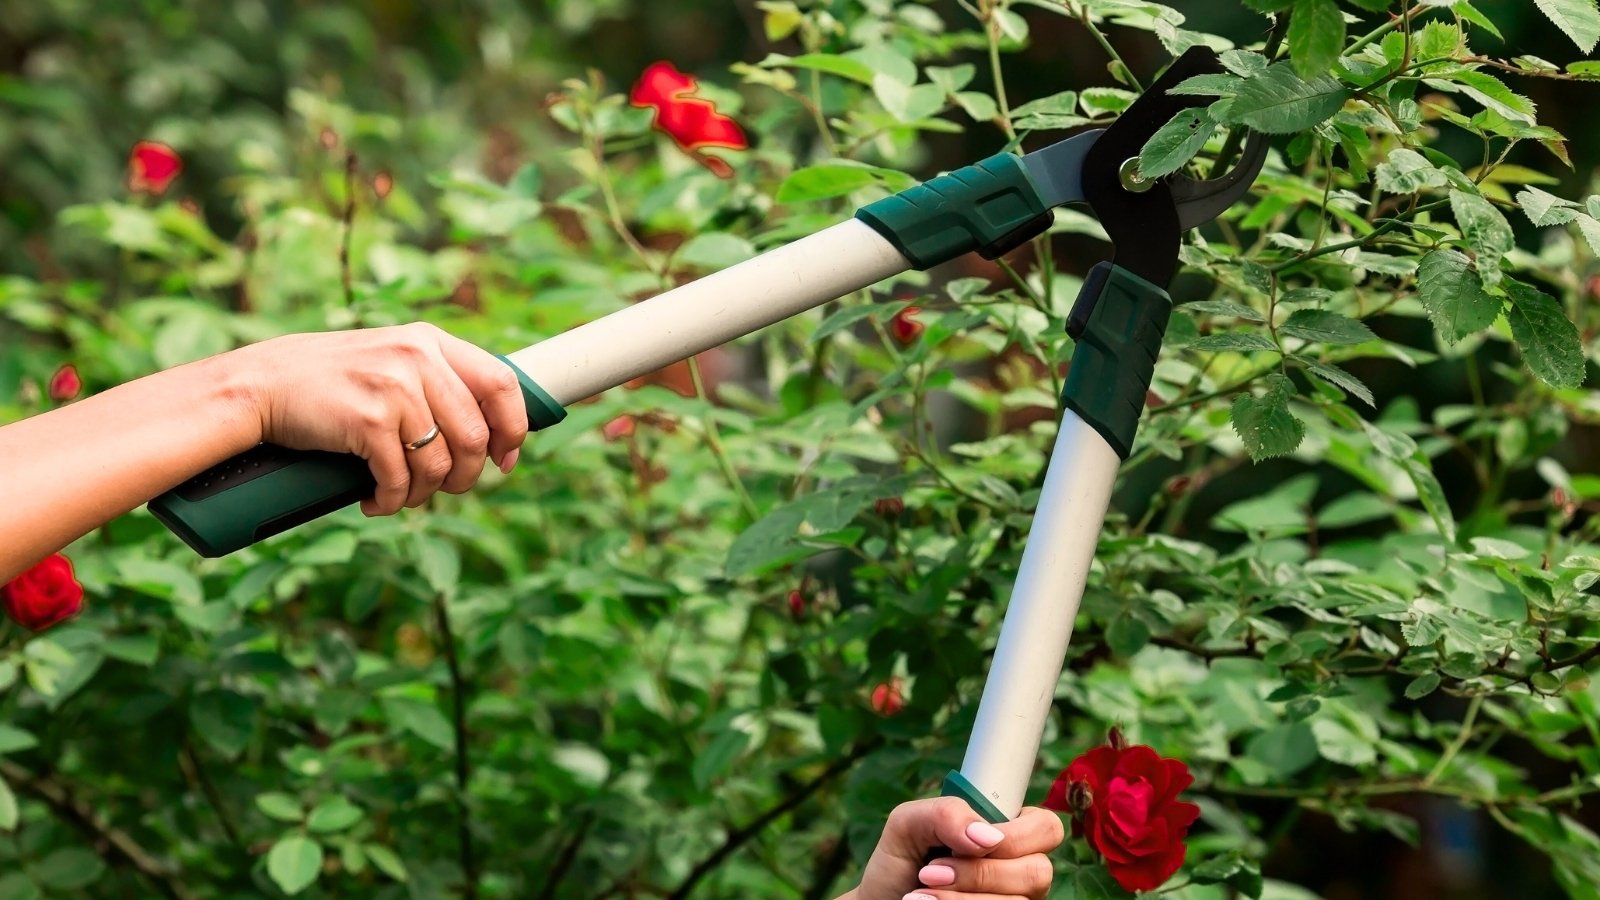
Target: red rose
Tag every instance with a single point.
(45, 595)
(151, 167)
(888, 698)
(692, 123)
(1131, 814)
(65, 384)
(797, 604)
(904, 326)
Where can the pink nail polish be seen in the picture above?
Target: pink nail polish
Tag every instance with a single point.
(985, 835)
(937, 876)
(510, 461)
(916, 896)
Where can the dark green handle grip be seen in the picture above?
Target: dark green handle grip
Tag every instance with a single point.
(992, 207)
(268, 489)
(1118, 322)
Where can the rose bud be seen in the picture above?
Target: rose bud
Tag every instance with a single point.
(618, 428)
(65, 384)
(905, 327)
(797, 604)
(888, 697)
(889, 507)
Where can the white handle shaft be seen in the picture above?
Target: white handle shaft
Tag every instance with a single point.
(710, 312)
(1038, 624)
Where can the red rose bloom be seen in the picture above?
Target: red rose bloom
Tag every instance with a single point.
(1131, 814)
(904, 326)
(65, 384)
(888, 697)
(692, 123)
(151, 167)
(45, 595)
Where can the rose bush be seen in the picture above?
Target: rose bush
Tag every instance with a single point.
(1347, 579)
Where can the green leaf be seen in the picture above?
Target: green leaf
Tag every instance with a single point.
(1549, 342)
(1341, 379)
(1316, 36)
(1236, 342)
(1279, 101)
(13, 739)
(422, 719)
(718, 756)
(294, 863)
(1323, 327)
(1423, 685)
(1407, 172)
(1265, 424)
(1127, 635)
(1177, 142)
(334, 814)
(1486, 231)
(439, 562)
(8, 807)
(1224, 308)
(225, 720)
(832, 64)
(1492, 93)
(1454, 296)
(1338, 742)
(70, 869)
(282, 807)
(1284, 750)
(714, 251)
(138, 649)
(1545, 209)
(825, 181)
(1580, 19)
(386, 861)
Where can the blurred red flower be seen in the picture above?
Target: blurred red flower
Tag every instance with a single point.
(693, 123)
(888, 698)
(904, 326)
(618, 428)
(65, 384)
(1125, 800)
(151, 167)
(45, 595)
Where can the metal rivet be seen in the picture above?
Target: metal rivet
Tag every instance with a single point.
(1132, 181)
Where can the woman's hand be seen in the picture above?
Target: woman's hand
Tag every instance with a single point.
(372, 392)
(988, 862)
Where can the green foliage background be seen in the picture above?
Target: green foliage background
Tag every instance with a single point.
(1348, 575)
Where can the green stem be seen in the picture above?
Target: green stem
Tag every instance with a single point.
(1451, 751)
(1105, 44)
(991, 23)
(714, 443)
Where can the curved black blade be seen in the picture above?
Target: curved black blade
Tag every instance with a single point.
(1201, 201)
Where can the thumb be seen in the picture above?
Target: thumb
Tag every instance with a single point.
(943, 822)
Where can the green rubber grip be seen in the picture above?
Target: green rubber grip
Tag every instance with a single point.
(957, 785)
(1119, 323)
(986, 206)
(268, 489)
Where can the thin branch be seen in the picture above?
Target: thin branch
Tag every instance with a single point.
(738, 837)
(565, 858)
(458, 696)
(829, 867)
(114, 844)
(195, 771)
(348, 225)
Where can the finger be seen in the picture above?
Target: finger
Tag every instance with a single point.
(495, 386)
(1027, 876)
(430, 464)
(461, 425)
(387, 459)
(936, 894)
(944, 822)
(1033, 831)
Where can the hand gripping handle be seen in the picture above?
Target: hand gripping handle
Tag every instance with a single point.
(270, 489)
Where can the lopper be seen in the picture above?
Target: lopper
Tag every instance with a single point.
(992, 207)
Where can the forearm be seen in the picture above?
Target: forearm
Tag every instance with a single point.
(69, 471)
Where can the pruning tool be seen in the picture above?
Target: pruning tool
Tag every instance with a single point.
(990, 208)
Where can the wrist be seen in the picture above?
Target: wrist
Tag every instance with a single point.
(235, 391)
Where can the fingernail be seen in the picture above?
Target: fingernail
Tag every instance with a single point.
(510, 461)
(937, 876)
(985, 835)
(918, 896)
